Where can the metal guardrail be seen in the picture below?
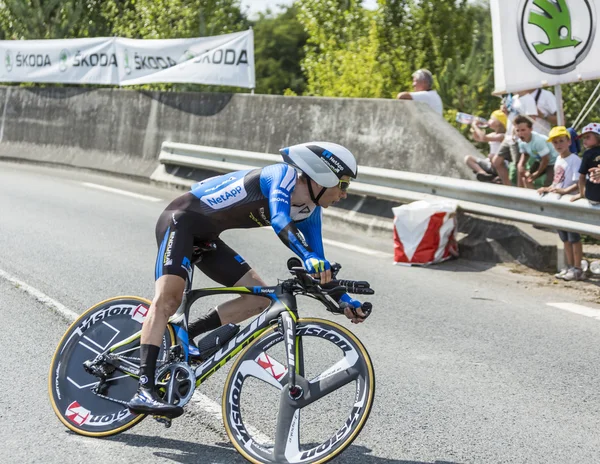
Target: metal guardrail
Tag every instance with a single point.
(511, 203)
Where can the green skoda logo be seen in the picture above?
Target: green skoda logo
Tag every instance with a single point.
(557, 35)
(63, 60)
(126, 61)
(8, 61)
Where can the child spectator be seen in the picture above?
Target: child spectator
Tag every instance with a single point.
(484, 167)
(537, 156)
(591, 159)
(566, 175)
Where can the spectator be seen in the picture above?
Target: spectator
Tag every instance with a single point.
(484, 167)
(591, 160)
(575, 142)
(566, 175)
(422, 83)
(536, 164)
(546, 106)
(508, 148)
(540, 106)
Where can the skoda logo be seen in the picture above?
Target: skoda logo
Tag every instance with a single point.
(8, 61)
(127, 64)
(187, 56)
(63, 58)
(556, 35)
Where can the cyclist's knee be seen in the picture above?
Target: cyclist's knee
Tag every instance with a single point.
(167, 302)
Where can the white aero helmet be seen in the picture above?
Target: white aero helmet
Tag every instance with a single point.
(324, 162)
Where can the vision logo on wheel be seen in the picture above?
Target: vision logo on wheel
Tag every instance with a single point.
(556, 35)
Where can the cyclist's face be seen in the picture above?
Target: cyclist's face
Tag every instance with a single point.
(334, 194)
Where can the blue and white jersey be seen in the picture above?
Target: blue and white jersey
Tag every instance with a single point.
(255, 198)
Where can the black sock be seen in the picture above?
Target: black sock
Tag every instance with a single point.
(148, 357)
(206, 323)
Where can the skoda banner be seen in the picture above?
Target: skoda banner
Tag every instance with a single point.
(221, 60)
(544, 42)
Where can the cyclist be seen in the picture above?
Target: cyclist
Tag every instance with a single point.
(288, 196)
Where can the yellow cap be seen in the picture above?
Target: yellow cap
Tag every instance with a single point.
(500, 116)
(558, 131)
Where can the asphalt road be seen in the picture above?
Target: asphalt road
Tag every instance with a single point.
(472, 364)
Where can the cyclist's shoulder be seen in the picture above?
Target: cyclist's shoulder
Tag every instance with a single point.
(280, 175)
(278, 169)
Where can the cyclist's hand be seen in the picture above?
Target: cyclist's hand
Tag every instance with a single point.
(319, 268)
(354, 310)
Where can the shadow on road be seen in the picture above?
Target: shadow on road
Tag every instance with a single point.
(361, 454)
(462, 265)
(225, 453)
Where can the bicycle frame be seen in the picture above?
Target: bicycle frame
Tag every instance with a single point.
(283, 307)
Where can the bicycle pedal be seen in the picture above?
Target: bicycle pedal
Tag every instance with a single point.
(166, 421)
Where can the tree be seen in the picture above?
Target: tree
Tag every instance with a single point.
(52, 19)
(574, 98)
(165, 19)
(333, 26)
(279, 49)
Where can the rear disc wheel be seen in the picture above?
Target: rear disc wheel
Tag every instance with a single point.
(71, 387)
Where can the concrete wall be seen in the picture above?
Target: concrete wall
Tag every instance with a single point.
(121, 130)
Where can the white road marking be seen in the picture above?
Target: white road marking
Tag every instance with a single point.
(211, 407)
(577, 309)
(365, 251)
(41, 297)
(201, 401)
(120, 192)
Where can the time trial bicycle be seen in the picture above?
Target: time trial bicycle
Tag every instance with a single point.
(281, 373)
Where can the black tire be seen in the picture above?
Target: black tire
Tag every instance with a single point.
(343, 414)
(69, 385)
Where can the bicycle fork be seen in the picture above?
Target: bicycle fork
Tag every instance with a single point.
(293, 355)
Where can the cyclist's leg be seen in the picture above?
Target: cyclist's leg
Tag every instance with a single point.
(172, 269)
(228, 268)
(240, 309)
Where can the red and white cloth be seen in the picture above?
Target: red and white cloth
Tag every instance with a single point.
(425, 232)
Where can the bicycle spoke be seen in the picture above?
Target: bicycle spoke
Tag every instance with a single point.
(273, 367)
(287, 437)
(321, 388)
(256, 370)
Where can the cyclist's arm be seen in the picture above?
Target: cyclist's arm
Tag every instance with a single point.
(311, 229)
(277, 183)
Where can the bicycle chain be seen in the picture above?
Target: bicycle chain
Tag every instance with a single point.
(114, 400)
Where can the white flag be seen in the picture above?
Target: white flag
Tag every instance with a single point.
(544, 42)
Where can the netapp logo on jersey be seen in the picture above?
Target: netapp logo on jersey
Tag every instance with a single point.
(226, 196)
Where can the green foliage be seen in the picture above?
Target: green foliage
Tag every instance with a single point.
(334, 29)
(166, 19)
(466, 83)
(574, 98)
(278, 52)
(52, 19)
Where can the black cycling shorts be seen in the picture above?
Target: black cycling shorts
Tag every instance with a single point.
(176, 234)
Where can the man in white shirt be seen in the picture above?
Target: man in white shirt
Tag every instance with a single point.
(546, 104)
(422, 83)
(540, 106)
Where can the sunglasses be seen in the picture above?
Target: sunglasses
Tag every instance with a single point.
(343, 185)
